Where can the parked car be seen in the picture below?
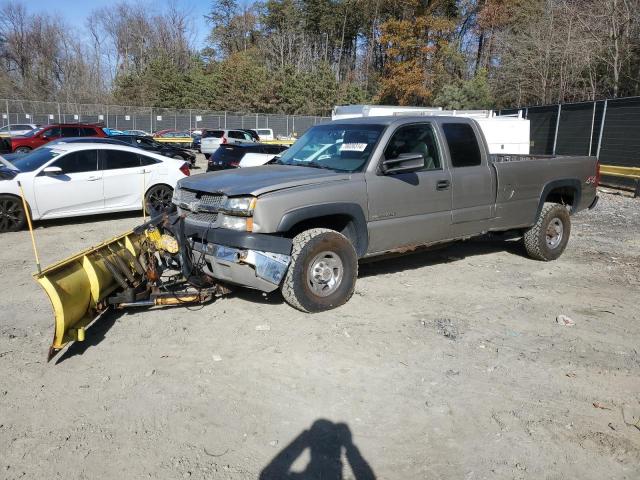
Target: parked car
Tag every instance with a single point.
(253, 134)
(212, 139)
(234, 155)
(140, 133)
(72, 179)
(14, 156)
(160, 133)
(111, 131)
(196, 142)
(17, 129)
(384, 185)
(36, 138)
(151, 145)
(265, 134)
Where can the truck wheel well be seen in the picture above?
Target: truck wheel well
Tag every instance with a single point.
(563, 195)
(344, 224)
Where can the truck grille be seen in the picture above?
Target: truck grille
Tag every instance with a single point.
(203, 217)
(211, 200)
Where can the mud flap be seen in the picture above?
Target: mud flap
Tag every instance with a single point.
(79, 286)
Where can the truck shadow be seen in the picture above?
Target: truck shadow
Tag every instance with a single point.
(447, 253)
(326, 443)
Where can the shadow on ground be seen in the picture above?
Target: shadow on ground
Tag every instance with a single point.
(452, 252)
(326, 442)
(95, 334)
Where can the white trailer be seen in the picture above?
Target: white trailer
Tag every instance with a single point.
(505, 134)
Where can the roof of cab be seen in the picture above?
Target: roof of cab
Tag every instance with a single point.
(393, 119)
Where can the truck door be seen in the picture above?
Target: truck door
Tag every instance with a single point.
(408, 209)
(473, 181)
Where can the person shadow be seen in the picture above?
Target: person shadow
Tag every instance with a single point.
(325, 441)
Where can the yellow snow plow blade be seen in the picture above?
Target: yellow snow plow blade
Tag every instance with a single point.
(78, 286)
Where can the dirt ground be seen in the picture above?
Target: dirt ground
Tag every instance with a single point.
(444, 365)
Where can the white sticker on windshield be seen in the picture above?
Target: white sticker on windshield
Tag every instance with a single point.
(353, 147)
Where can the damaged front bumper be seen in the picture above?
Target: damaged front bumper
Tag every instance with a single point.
(248, 259)
(245, 267)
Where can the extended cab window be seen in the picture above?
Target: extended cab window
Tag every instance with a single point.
(463, 144)
(417, 138)
(114, 159)
(78, 162)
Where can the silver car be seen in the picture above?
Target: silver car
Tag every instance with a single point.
(212, 139)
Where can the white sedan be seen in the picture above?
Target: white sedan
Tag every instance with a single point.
(72, 179)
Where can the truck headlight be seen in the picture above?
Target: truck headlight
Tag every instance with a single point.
(232, 222)
(239, 206)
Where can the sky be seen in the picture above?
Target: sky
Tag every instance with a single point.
(75, 12)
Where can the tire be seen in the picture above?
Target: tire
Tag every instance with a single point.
(12, 217)
(548, 238)
(158, 198)
(336, 265)
(22, 150)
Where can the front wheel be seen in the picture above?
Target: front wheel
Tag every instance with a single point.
(158, 198)
(22, 150)
(323, 271)
(548, 238)
(12, 216)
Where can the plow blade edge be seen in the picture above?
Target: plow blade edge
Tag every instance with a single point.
(79, 285)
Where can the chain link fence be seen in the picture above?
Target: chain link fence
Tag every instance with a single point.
(151, 119)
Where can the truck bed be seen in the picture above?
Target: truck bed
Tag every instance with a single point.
(523, 179)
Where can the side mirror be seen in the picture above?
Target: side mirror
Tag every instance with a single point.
(52, 171)
(404, 163)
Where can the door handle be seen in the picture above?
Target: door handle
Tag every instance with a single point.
(93, 179)
(443, 185)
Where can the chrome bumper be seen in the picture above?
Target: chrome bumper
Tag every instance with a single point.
(250, 268)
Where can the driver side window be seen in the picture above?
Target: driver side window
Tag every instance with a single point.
(417, 138)
(51, 133)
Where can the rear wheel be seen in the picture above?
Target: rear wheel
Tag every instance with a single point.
(23, 150)
(158, 198)
(323, 271)
(548, 238)
(12, 217)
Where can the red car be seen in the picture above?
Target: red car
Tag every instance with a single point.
(47, 133)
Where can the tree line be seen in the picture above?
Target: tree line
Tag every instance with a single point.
(304, 56)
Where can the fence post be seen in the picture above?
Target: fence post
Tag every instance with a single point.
(593, 119)
(175, 120)
(225, 119)
(151, 118)
(190, 120)
(8, 116)
(59, 116)
(604, 114)
(107, 117)
(257, 121)
(555, 137)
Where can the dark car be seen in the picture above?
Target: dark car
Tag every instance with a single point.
(151, 145)
(230, 155)
(40, 136)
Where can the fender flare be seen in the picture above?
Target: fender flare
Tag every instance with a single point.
(566, 182)
(352, 210)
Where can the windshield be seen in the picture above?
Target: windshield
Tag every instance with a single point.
(345, 148)
(34, 160)
(33, 132)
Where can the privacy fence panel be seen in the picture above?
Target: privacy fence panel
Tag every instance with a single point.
(149, 119)
(577, 131)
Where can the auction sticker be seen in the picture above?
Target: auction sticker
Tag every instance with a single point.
(353, 147)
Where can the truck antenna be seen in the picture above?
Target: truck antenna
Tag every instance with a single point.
(27, 213)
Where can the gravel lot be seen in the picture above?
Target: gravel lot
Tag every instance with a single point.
(445, 364)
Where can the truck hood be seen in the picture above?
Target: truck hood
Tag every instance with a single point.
(260, 180)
